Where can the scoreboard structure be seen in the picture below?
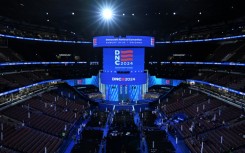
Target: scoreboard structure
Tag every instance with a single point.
(123, 77)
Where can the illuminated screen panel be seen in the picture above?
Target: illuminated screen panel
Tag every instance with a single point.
(123, 59)
(124, 79)
(128, 41)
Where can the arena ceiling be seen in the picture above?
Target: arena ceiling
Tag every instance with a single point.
(131, 16)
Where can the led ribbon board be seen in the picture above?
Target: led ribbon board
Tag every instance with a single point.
(123, 79)
(129, 41)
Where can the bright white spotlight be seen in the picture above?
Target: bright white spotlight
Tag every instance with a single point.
(107, 14)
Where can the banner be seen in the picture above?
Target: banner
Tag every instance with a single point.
(123, 79)
(128, 41)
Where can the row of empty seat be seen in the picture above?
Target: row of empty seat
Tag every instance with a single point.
(40, 124)
(25, 139)
(15, 80)
(207, 120)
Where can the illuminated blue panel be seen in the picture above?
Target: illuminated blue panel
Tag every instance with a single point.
(71, 82)
(206, 63)
(123, 92)
(124, 79)
(84, 81)
(135, 92)
(152, 43)
(202, 40)
(137, 55)
(153, 80)
(128, 41)
(38, 63)
(112, 92)
(123, 59)
(45, 40)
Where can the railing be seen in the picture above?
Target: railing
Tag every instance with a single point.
(29, 86)
(39, 63)
(205, 63)
(193, 82)
(158, 42)
(44, 40)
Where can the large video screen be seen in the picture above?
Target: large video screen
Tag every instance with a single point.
(124, 79)
(123, 59)
(128, 41)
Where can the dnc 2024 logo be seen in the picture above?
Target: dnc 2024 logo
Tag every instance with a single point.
(124, 57)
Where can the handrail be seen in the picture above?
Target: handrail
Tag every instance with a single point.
(216, 86)
(28, 86)
(157, 42)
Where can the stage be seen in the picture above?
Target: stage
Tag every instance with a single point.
(137, 106)
(124, 83)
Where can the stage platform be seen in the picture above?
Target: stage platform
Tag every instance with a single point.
(131, 106)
